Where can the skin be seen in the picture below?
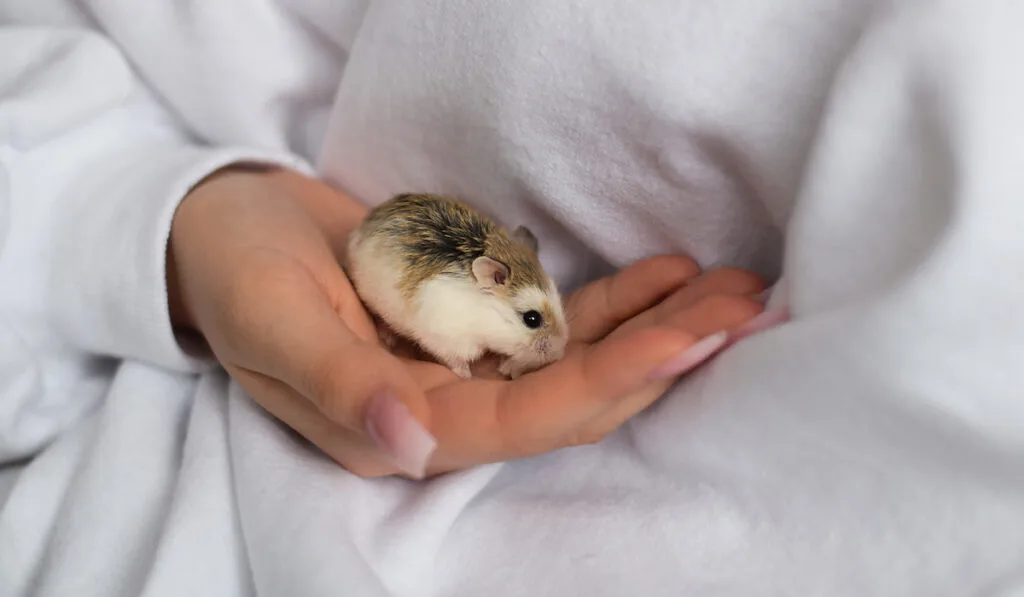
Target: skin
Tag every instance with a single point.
(253, 271)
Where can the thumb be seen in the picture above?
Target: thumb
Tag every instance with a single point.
(303, 342)
(364, 388)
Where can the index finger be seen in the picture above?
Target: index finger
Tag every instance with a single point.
(601, 306)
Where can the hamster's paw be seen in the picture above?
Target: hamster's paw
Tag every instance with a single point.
(388, 338)
(461, 369)
(510, 368)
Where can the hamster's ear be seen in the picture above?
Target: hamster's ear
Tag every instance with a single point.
(525, 236)
(490, 274)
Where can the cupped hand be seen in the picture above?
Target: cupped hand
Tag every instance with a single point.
(632, 335)
(253, 267)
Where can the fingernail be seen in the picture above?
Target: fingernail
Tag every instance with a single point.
(691, 357)
(762, 322)
(399, 435)
(765, 295)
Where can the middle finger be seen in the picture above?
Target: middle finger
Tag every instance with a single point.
(599, 307)
(725, 281)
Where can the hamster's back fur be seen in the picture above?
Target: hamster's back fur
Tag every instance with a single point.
(437, 235)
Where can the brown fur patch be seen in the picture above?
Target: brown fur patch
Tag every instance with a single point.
(438, 235)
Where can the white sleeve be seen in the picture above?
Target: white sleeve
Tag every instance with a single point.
(91, 172)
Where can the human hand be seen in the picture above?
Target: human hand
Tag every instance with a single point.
(632, 335)
(253, 267)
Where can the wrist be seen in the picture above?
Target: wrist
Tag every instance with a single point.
(181, 318)
(179, 313)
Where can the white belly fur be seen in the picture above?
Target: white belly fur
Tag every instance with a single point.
(441, 318)
(375, 273)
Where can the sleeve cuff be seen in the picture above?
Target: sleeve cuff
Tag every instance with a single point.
(120, 307)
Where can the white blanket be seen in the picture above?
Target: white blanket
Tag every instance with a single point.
(870, 154)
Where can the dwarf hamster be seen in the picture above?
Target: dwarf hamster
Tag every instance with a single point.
(457, 284)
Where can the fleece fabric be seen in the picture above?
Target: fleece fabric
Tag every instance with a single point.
(868, 153)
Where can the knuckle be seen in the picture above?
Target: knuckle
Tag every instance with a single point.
(671, 271)
(322, 383)
(679, 266)
(730, 308)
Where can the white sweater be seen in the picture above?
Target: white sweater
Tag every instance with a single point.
(870, 154)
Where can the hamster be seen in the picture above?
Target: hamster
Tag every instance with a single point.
(457, 284)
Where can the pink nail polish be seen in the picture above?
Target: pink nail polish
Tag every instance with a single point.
(398, 434)
(691, 357)
(762, 322)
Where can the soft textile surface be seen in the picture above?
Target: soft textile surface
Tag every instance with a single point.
(869, 153)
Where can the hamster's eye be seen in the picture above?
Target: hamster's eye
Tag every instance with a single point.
(533, 319)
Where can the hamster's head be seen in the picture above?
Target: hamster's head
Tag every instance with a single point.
(522, 315)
